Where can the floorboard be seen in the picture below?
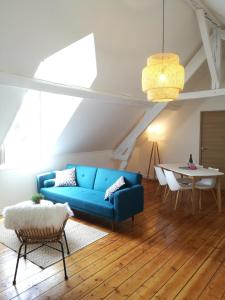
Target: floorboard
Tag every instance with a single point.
(166, 254)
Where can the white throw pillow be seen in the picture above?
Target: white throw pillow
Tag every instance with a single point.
(65, 178)
(115, 187)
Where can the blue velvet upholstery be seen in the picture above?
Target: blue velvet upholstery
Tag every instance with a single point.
(106, 177)
(42, 177)
(128, 202)
(82, 199)
(88, 196)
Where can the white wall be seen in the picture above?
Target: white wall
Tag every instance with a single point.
(181, 135)
(18, 185)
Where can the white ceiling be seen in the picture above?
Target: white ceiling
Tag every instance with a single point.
(217, 7)
(126, 32)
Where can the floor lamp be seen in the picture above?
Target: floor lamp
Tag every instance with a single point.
(154, 157)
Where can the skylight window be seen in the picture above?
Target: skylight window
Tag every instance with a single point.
(73, 65)
(23, 139)
(43, 116)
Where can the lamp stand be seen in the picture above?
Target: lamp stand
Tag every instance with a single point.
(154, 157)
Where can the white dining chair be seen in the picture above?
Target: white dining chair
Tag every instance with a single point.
(206, 184)
(162, 181)
(175, 186)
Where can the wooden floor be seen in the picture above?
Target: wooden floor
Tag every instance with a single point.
(165, 255)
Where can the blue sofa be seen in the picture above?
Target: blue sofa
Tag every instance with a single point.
(88, 195)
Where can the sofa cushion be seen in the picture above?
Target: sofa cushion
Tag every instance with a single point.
(66, 177)
(106, 177)
(85, 175)
(49, 182)
(120, 183)
(81, 199)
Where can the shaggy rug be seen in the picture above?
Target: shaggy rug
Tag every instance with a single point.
(78, 236)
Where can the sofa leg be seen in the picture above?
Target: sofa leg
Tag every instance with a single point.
(113, 226)
(132, 220)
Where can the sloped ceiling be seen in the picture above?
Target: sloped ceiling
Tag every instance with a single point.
(126, 32)
(218, 8)
(109, 123)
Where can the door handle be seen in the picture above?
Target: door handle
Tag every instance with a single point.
(204, 149)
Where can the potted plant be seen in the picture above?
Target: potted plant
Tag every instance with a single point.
(36, 198)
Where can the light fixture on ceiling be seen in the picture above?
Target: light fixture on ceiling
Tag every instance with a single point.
(163, 77)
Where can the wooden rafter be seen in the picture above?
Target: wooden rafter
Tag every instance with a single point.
(62, 89)
(208, 48)
(202, 94)
(222, 34)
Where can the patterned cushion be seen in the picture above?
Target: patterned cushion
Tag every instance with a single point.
(115, 187)
(65, 178)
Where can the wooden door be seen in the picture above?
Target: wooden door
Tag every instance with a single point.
(212, 141)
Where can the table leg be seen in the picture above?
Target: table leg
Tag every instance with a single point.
(218, 189)
(193, 196)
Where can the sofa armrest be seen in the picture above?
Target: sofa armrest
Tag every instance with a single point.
(128, 202)
(42, 177)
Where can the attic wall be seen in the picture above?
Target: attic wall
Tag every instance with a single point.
(10, 101)
(18, 185)
(181, 136)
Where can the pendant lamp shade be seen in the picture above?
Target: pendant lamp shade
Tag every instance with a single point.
(163, 77)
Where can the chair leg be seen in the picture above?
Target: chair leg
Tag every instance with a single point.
(63, 257)
(192, 200)
(166, 196)
(200, 200)
(164, 193)
(67, 247)
(17, 263)
(25, 252)
(177, 198)
(157, 190)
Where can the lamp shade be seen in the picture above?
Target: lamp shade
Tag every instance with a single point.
(163, 77)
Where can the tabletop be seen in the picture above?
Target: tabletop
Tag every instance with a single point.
(181, 168)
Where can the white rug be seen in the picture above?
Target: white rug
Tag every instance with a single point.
(78, 236)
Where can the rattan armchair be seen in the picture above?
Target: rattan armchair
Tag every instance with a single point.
(42, 236)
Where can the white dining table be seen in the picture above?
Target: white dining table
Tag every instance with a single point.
(195, 175)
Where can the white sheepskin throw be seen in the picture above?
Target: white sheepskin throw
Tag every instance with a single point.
(30, 215)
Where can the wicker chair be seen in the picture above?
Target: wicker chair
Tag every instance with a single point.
(42, 236)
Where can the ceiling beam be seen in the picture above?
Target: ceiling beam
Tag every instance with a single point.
(217, 51)
(207, 46)
(202, 94)
(86, 93)
(194, 64)
(74, 91)
(123, 151)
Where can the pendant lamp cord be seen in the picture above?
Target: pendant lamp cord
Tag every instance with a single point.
(163, 15)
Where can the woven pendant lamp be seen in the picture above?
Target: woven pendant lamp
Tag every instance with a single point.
(163, 77)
